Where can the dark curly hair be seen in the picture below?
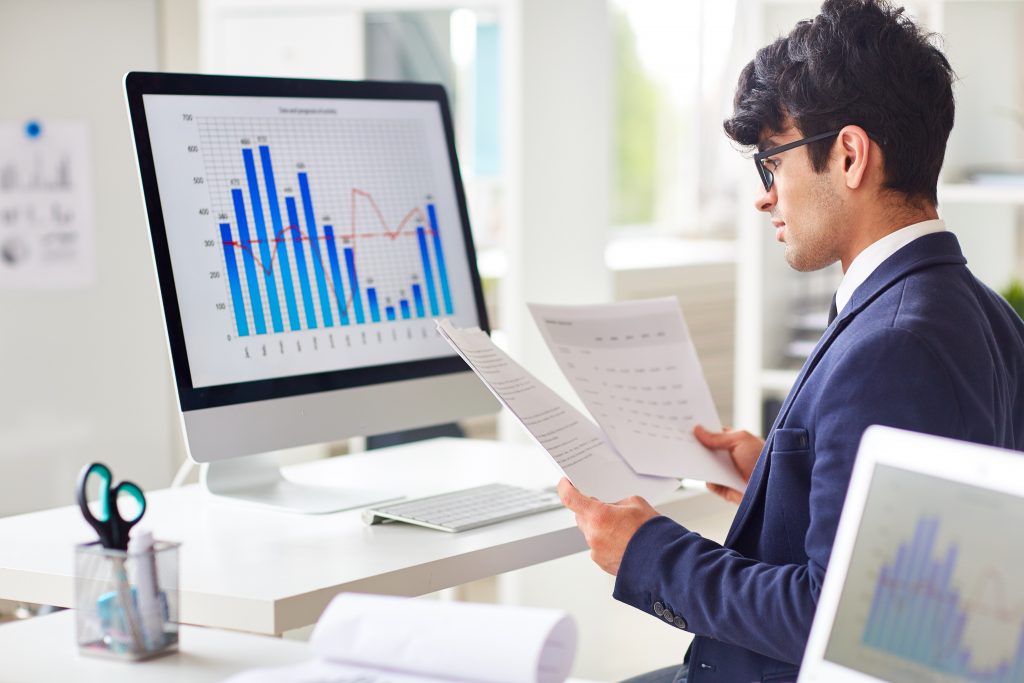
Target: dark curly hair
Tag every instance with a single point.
(860, 62)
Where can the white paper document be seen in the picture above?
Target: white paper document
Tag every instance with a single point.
(382, 639)
(574, 442)
(635, 368)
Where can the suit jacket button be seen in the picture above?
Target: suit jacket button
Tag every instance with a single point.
(668, 616)
(659, 608)
(679, 621)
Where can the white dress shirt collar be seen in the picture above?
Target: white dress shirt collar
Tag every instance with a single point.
(868, 260)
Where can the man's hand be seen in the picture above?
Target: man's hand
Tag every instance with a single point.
(606, 526)
(744, 449)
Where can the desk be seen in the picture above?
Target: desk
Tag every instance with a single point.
(43, 649)
(250, 569)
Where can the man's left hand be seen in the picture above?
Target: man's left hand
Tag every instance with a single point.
(607, 527)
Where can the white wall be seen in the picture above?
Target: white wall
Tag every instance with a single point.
(84, 372)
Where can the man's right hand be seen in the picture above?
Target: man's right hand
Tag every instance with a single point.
(744, 449)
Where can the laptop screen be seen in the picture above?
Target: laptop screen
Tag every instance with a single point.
(933, 589)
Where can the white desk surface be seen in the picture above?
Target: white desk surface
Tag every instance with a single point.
(251, 569)
(44, 649)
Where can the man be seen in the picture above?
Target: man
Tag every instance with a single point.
(852, 112)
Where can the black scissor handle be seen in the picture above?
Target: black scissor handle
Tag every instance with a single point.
(121, 525)
(111, 526)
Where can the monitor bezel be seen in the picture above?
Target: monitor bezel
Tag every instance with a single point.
(191, 398)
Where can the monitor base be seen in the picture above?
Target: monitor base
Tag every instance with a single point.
(257, 479)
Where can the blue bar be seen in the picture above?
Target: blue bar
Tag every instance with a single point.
(917, 597)
(280, 242)
(948, 614)
(442, 271)
(428, 272)
(300, 262)
(236, 286)
(371, 293)
(417, 295)
(923, 575)
(941, 587)
(888, 620)
(390, 312)
(261, 235)
(880, 599)
(353, 283)
(922, 647)
(1017, 672)
(250, 263)
(957, 636)
(905, 601)
(314, 241)
(339, 288)
(404, 303)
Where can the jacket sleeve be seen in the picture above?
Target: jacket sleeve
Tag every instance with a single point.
(890, 377)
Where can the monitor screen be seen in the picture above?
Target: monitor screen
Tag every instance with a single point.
(306, 235)
(929, 594)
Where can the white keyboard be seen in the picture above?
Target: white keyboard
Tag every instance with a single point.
(465, 509)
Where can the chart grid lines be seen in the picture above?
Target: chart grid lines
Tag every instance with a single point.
(374, 233)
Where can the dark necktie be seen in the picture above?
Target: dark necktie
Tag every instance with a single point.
(832, 311)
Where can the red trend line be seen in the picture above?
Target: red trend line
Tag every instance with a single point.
(972, 601)
(278, 240)
(415, 211)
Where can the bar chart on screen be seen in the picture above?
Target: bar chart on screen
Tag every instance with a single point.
(269, 252)
(325, 235)
(918, 614)
(931, 597)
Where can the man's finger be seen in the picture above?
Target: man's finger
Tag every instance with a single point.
(572, 498)
(716, 439)
(729, 494)
(719, 489)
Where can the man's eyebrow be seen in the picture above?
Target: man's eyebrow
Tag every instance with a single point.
(767, 143)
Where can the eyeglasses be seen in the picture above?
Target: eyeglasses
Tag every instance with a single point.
(767, 176)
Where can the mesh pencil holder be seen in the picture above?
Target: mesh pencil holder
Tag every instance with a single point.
(126, 604)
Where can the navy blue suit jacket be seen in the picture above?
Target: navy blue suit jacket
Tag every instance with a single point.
(922, 345)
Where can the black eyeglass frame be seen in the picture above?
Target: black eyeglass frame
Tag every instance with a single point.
(768, 177)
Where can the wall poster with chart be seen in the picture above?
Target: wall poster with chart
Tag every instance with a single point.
(47, 234)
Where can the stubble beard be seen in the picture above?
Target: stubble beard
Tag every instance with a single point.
(819, 243)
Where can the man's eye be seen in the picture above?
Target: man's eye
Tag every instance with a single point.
(774, 163)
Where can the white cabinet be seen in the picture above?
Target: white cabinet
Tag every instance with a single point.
(982, 40)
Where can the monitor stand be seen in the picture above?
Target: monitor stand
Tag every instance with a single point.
(258, 479)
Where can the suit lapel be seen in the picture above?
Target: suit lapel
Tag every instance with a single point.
(934, 249)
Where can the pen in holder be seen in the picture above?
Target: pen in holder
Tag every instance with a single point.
(126, 602)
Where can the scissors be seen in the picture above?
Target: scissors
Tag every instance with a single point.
(111, 525)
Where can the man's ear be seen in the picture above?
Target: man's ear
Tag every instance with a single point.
(857, 155)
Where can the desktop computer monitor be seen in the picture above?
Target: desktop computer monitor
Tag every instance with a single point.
(306, 235)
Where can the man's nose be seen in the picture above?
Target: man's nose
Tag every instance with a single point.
(766, 200)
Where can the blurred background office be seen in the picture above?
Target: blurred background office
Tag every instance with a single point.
(589, 133)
